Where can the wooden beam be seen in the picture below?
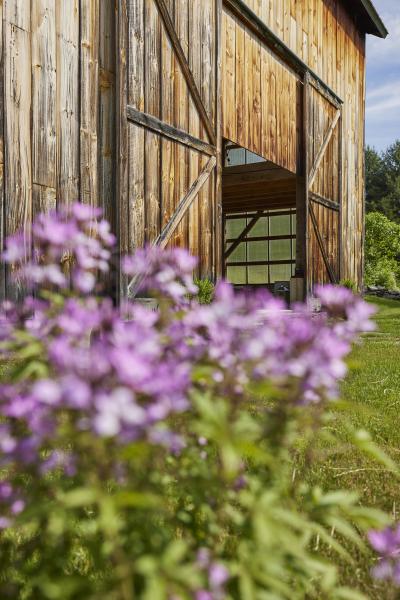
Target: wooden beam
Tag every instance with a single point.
(325, 201)
(240, 9)
(254, 206)
(264, 238)
(186, 70)
(245, 231)
(166, 234)
(324, 146)
(275, 213)
(260, 263)
(322, 90)
(331, 273)
(154, 124)
(164, 237)
(266, 175)
(251, 168)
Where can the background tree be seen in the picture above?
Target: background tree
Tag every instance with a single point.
(391, 161)
(375, 180)
(383, 181)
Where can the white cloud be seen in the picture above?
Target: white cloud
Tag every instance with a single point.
(383, 79)
(385, 97)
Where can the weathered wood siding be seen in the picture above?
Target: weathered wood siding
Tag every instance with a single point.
(259, 96)
(155, 173)
(57, 113)
(69, 68)
(324, 35)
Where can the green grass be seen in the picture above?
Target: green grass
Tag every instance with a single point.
(372, 402)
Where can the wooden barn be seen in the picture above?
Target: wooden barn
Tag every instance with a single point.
(233, 128)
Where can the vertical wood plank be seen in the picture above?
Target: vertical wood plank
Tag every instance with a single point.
(89, 101)
(2, 207)
(17, 107)
(206, 196)
(218, 214)
(122, 216)
(68, 108)
(182, 120)
(135, 200)
(107, 99)
(229, 45)
(43, 25)
(256, 106)
(266, 99)
(194, 124)
(152, 73)
(241, 116)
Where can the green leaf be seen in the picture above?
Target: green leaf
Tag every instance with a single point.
(363, 441)
(345, 593)
(79, 497)
(174, 554)
(143, 500)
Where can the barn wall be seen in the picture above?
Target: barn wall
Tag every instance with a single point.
(57, 127)
(323, 34)
(155, 173)
(259, 96)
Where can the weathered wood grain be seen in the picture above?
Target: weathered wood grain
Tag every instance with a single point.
(2, 198)
(17, 131)
(135, 201)
(89, 101)
(67, 97)
(43, 44)
(107, 98)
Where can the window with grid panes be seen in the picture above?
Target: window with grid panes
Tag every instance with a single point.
(267, 254)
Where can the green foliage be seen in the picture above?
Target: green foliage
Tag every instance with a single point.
(370, 401)
(382, 251)
(349, 284)
(206, 290)
(383, 181)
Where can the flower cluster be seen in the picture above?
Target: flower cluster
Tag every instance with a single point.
(168, 273)
(217, 576)
(84, 374)
(72, 236)
(387, 544)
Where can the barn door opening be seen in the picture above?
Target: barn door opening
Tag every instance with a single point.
(323, 150)
(168, 142)
(259, 210)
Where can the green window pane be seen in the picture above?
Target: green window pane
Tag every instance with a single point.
(280, 250)
(239, 254)
(280, 273)
(236, 275)
(234, 227)
(257, 251)
(294, 223)
(293, 249)
(279, 225)
(260, 228)
(257, 274)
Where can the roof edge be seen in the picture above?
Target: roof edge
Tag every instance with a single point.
(377, 25)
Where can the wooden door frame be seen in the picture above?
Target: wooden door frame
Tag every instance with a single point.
(210, 148)
(310, 172)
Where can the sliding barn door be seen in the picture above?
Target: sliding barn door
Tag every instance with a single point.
(169, 146)
(323, 147)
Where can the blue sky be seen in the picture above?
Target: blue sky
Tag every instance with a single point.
(383, 79)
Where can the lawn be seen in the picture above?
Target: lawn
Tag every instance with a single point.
(372, 401)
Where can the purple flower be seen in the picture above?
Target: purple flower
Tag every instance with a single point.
(168, 272)
(218, 575)
(387, 545)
